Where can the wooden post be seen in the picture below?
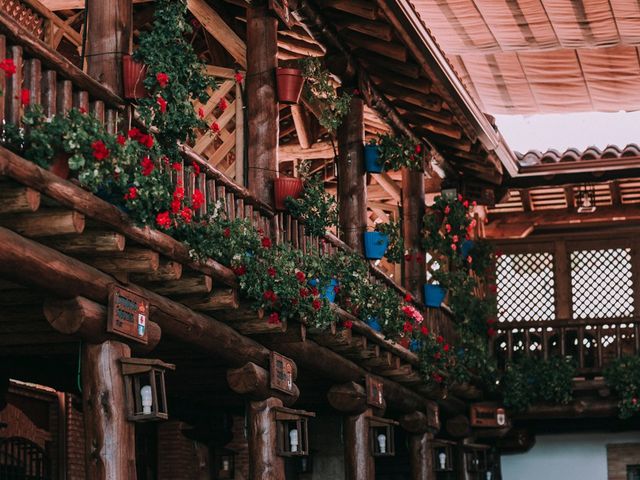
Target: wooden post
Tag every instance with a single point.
(420, 456)
(109, 437)
(414, 273)
(262, 102)
(264, 463)
(358, 461)
(108, 38)
(352, 191)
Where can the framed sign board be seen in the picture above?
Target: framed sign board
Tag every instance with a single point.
(282, 8)
(486, 415)
(375, 392)
(281, 374)
(127, 314)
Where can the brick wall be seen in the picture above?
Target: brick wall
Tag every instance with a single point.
(75, 439)
(240, 445)
(180, 458)
(19, 425)
(620, 455)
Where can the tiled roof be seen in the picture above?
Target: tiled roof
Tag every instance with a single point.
(611, 152)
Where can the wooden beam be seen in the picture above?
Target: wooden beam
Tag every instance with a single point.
(18, 199)
(315, 150)
(57, 5)
(89, 242)
(358, 460)
(45, 223)
(217, 27)
(253, 381)
(306, 131)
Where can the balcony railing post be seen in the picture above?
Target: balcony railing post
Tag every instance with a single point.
(352, 191)
(414, 271)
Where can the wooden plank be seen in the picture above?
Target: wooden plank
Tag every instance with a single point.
(240, 136)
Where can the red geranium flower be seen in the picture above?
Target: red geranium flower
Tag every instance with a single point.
(222, 104)
(201, 112)
(163, 220)
(146, 140)
(491, 331)
(82, 110)
(100, 150)
(408, 297)
(347, 324)
(238, 76)
(446, 347)
(424, 330)
(162, 103)
(134, 133)
(25, 96)
(178, 193)
(226, 232)
(437, 377)
(147, 166)
(447, 209)
(132, 194)
(437, 355)
(177, 166)
(186, 214)
(447, 227)
(407, 327)
(196, 168)
(8, 66)
(176, 205)
(197, 199)
(274, 318)
(271, 272)
(240, 270)
(162, 78)
(418, 148)
(300, 276)
(439, 339)
(270, 295)
(121, 140)
(316, 304)
(304, 292)
(266, 242)
(215, 128)
(314, 291)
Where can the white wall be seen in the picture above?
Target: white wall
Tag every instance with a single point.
(565, 457)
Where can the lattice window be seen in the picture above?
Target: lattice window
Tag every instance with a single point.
(525, 287)
(601, 283)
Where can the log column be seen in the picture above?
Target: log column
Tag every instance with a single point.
(109, 28)
(352, 188)
(262, 102)
(421, 428)
(109, 437)
(414, 272)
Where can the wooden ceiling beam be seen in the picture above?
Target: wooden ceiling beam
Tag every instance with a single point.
(392, 50)
(389, 185)
(307, 126)
(56, 5)
(343, 20)
(317, 150)
(359, 8)
(561, 217)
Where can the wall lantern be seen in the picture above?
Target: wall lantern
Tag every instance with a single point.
(145, 388)
(586, 198)
(292, 432)
(381, 432)
(224, 464)
(476, 458)
(443, 456)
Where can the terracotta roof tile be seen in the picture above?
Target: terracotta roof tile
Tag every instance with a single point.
(611, 152)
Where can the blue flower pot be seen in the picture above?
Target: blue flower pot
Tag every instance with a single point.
(466, 248)
(329, 291)
(415, 345)
(373, 323)
(375, 245)
(105, 193)
(434, 295)
(372, 162)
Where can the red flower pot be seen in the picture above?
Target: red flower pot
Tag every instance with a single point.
(133, 75)
(60, 165)
(284, 187)
(290, 81)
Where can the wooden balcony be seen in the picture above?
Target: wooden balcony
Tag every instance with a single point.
(593, 343)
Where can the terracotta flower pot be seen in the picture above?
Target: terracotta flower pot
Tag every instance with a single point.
(290, 82)
(133, 76)
(60, 165)
(284, 187)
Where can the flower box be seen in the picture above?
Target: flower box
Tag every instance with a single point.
(284, 187)
(434, 295)
(375, 245)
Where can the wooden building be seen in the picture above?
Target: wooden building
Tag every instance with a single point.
(125, 355)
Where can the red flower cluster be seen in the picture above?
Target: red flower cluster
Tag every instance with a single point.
(186, 214)
(215, 128)
(197, 199)
(316, 304)
(141, 138)
(178, 196)
(347, 324)
(121, 140)
(25, 97)
(266, 242)
(8, 66)
(163, 220)
(240, 270)
(300, 276)
(162, 79)
(222, 104)
(162, 103)
(99, 150)
(147, 166)
(226, 233)
(238, 76)
(271, 272)
(196, 168)
(131, 194)
(177, 166)
(274, 319)
(270, 296)
(201, 112)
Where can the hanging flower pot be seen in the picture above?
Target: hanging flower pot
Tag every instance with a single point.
(133, 76)
(60, 165)
(434, 295)
(375, 245)
(329, 291)
(290, 82)
(284, 187)
(466, 248)
(373, 323)
(372, 161)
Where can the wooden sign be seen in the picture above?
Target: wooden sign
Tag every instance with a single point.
(281, 375)
(487, 415)
(282, 8)
(375, 392)
(128, 314)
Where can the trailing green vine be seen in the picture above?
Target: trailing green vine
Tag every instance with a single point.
(395, 250)
(623, 376)
(398, 151)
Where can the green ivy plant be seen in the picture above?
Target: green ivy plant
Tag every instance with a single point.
(320, 90)
(529, 380)
(623, 376)
(397, 152)
(175, 77)
(395, 250)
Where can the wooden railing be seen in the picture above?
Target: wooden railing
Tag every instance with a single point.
(593, 343)
(57, 85)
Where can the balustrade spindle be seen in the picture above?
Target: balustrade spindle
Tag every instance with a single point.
(618, 341)
(65, 97)
(580, 336)
(49, 91)
(32, 80)
(13, 89)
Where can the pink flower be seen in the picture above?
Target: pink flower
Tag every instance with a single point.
(418, 148)
(446, 347)
(407, 327)
(456, 238)
(447, 227)
(411, 312)
(178, 193)
(466, 204)
(447, 210)
(162, 79)
(454, 247)
(163, 220)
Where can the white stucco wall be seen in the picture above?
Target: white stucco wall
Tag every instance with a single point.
(565, 457)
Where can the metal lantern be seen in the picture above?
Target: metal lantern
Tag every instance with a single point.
(381, 433)
(292, 432)
(224, 464)
(443, 456)
(145, 389)
(586, 198)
